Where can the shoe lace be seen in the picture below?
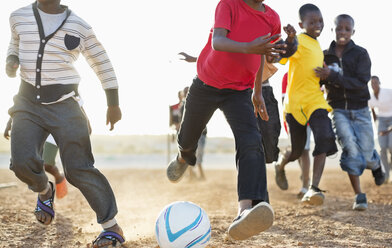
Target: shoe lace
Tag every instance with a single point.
(318, 189)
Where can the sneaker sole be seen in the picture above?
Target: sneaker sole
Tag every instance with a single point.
(314, 200)
(171, 172)
(259, 219)
(360, 207)
(282, 186)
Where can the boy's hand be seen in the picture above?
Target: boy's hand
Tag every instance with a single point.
(263, 45)
(187, 57)
(259, 105)
(11, 67)
(113, 115)
(291, 33)
(323, 72)
(7, 129)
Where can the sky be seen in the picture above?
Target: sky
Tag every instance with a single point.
(143, 38)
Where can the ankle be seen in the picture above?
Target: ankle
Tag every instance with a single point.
(180, 159)
(116, 228)
(46, 193)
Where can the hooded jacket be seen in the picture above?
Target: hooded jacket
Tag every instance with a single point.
(347, 87)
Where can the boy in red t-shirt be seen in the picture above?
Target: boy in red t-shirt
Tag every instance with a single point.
(227, 70)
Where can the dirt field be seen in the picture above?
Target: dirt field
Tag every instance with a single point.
(141, 194)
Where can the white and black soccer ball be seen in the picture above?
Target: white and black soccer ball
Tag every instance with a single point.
(182, 224)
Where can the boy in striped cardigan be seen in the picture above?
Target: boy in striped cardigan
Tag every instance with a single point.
(46, 39)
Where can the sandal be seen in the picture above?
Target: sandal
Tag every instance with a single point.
(46, 206)
(115, 238)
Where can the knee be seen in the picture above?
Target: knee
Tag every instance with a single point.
(19, 164)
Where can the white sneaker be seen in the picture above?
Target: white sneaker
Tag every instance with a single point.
(301, 193)
(252, 221)
(314, 196)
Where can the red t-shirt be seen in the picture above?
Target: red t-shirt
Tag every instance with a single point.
(225, 70)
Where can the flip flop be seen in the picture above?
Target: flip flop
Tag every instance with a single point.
(46, 206)
(115, 238)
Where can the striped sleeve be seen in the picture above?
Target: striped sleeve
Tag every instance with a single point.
(13, 48)
(98, 60)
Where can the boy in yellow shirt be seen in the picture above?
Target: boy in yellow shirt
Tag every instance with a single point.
(305, 104)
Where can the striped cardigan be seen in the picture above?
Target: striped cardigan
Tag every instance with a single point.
(46, 62)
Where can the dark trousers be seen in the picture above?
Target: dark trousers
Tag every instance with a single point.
(324, 137)
(270, 130)
(32, 123)
(200, 105)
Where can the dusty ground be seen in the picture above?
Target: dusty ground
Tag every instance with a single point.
(142, 194)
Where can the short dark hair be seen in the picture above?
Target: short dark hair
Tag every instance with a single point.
(375, 77)
(344, 16)
(306, 8)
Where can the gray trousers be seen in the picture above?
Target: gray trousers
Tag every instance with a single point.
(32, 123)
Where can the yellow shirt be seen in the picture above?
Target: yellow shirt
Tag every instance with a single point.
(303, 89)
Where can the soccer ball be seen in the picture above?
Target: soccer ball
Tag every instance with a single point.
(182, 224)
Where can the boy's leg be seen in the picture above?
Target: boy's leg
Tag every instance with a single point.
(363, 129)
(68, 125)
(384, 142)
(304, 163)
(26, 149)
(298, 140)
(324, 138)
(201, 103)
(360, 202)
(250, 161)
(49, 156)
(200, 154)
(255, 214)
(270, 130)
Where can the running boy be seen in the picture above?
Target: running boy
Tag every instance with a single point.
(227, 70)
(348, 94)
(46, 39)
(305, 104)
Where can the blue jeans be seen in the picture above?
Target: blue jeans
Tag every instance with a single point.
(355, 135)
(385, 142)
(201, 103)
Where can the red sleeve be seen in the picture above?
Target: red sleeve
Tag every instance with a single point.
(284, 83)
(223, 16)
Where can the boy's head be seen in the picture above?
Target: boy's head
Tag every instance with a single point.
(311, 20)
(344, 29)
(375, 83)
(179, 94)
(185, 91)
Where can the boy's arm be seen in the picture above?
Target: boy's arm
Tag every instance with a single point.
(362, 74)
(12, 61)
(98, 60)
(291, 41)
(261, 45)
(257, 96)
(374, 114)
